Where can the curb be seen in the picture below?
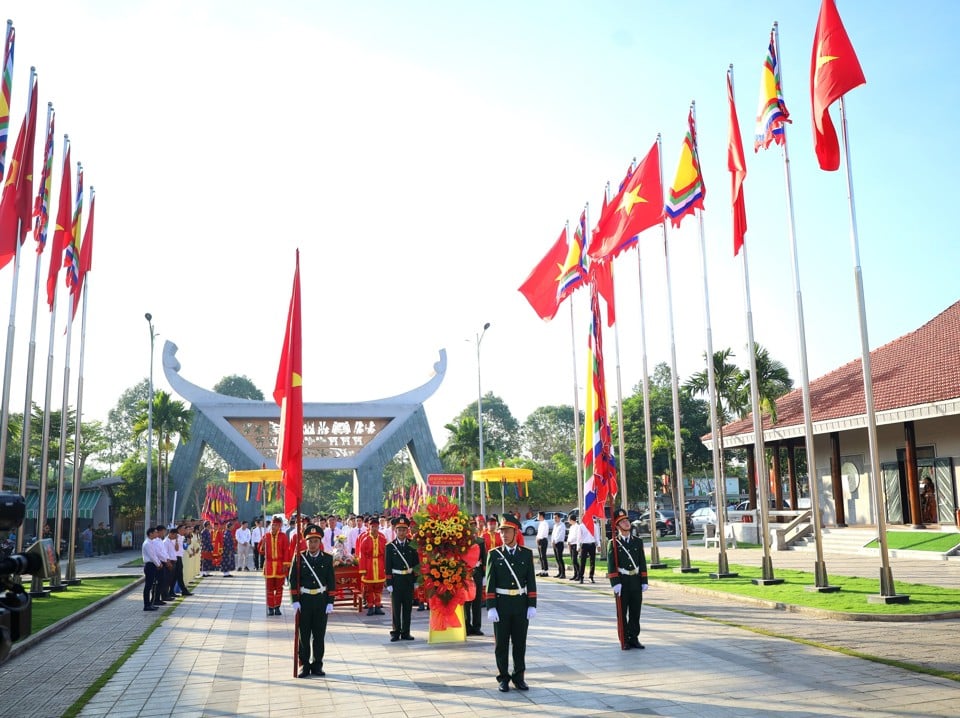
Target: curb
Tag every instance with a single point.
(34, 638)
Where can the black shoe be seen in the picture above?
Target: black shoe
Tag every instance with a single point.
(370, 611)
(478, 632)
(504, 686)
(150, 608)
(420, 607)
(378, 611)
(187, 593)
(625, 646)
(591, 580)
(634, 643)
(394, 639)
(304, 673)
(408, 637)
(276, 611)
(521, 684)
(159, 603)
(317, 670)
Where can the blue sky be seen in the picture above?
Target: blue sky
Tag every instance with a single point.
(424, 156)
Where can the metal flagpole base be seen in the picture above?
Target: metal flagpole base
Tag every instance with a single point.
(655, 561)
(723, 568)
(72, 582)
(888, 593)
(823, 584)
(768, 579)
(36, 588)
(59, 587)
(685, 566)
(658, 564)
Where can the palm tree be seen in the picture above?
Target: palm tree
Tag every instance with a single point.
(730, 398)
(773, 381)
(662, 439)
(171, 419)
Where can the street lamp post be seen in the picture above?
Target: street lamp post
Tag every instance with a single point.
(146, 509)
(483, 501)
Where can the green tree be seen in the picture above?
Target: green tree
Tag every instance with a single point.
(501, 431)
(238, 386)
(730, 395)
(773, 381)
(122, 440)
(549, 430)
(461, 453)
(171, 420)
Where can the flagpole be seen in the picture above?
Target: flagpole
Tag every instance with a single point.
(647, 431)
(32, 346)
(588, 420)
(576, 410)
(72, 579)
(821, 582)
(685, 566)
(888, 593)
(11, 327)
(55, 582)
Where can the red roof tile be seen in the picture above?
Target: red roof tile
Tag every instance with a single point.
(921, 367)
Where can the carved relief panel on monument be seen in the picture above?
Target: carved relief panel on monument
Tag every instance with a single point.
(325, 437)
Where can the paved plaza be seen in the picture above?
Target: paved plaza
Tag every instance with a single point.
(217, 654)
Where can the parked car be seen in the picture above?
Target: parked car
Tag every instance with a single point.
(665, 516)
(530, 526)
(694, 504)
(703, 516)
(642, 524)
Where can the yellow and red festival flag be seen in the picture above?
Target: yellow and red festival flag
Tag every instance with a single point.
(16, 204)
(71, 247)
(6, 84)
(573, 273)
(637, 206)
(834, 71)
(688, 191)
(772, 112)
(63, 227)
(737, 165)
(600, 469)
(86, 257)
(541, 288)
(41, 207)
(289, 395)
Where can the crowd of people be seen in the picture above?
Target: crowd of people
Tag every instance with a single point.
(304, 553)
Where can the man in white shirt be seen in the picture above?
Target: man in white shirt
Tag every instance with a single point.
(588, 547)
(256, 536)
(543, 538)
(573, 541)
(170, 544)
(151, 564)
(244, 546)
(353, 532)
(330, 534)
(386, 529)
(558, 537)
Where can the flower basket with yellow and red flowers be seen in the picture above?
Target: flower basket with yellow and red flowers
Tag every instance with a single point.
(448, 554)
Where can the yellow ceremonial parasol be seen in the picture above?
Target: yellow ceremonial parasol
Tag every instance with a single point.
(503, 475)
(254, 476)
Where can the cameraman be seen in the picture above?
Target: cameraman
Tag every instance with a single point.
(151, 568)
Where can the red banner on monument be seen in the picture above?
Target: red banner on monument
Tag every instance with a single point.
(445, 480)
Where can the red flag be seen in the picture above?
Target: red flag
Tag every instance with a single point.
(737, 165)
(834, 71)
(17, 200)
(602, 276)
(64, 219)
(289, 395)
(86, 257)
(540, 288)
(638, 206)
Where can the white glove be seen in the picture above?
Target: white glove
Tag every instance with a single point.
(644, 587)
(389, 589)
(329, 608)
(296, 606)
(617, 589)
(493, 615)
(531, 613)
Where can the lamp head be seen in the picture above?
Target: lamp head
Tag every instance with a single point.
(148, 316)
(486, 326)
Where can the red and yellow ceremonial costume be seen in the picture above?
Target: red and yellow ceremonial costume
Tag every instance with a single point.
(275, 549)
(371, 551)
(217, 536)
(492, 539)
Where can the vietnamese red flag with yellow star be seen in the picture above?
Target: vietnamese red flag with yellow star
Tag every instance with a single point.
(638, 206)
(540, 288)
(834, 71)
(737, 165)
(288, 393)
(16, 203)
(63, 227)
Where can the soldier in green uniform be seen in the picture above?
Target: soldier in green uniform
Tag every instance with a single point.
(311, 582)
(511, 598)
(627, 571)
(401, 562)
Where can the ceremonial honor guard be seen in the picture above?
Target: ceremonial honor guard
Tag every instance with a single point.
(401, 563)
(311, 580)
(511, 596)
(275, 549)
(371, 552)
(627, 571)
(473, 609)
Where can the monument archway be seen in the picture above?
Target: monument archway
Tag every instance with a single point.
(361, 436)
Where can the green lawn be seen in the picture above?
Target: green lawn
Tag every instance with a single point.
(851, 598)
(60, 604)
(936, 541)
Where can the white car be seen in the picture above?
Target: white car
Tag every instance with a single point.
(529, 526)
(702, 517)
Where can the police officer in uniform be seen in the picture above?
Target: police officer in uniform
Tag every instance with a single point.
(401, 563)
(627, 571)
(311, 582)
(511, 597)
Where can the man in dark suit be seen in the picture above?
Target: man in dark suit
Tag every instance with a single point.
(627, 571)
(473, 609)
(400, 564)
(311, 584)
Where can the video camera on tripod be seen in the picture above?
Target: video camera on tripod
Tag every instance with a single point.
(14, 601)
